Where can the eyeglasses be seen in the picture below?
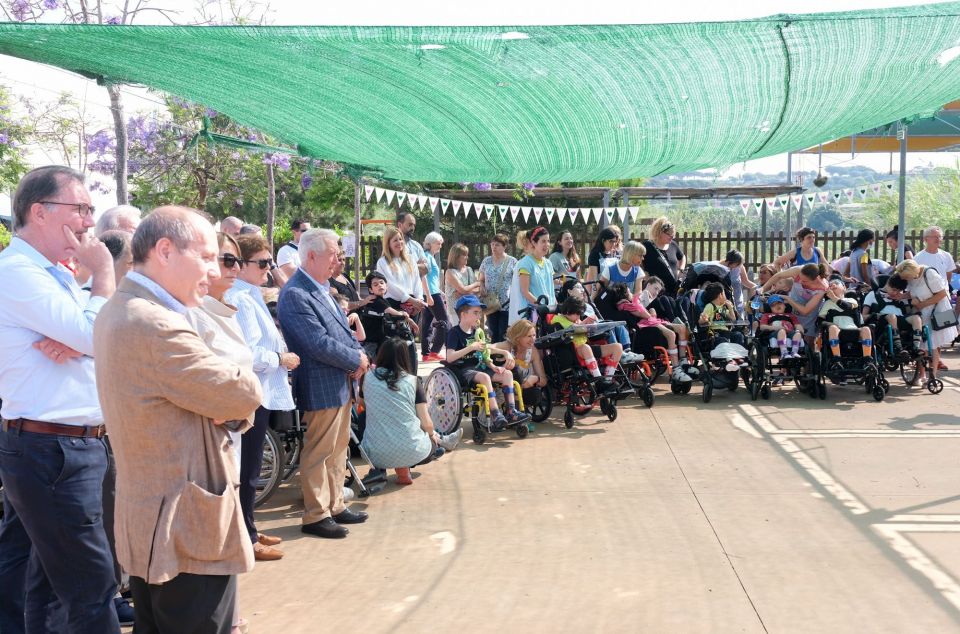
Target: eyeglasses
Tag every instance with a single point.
(82, 209)
(230, 260)
(263, 264)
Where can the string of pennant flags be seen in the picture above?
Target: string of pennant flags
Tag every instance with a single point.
(613, 214)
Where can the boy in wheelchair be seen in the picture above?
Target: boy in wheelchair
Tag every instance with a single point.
(379, 321)
(570, 313)
(839, 317)
(779, 321)
(469, 359)
(890, 305)
(717, 315)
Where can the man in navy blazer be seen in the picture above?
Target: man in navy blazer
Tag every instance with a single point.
(330, 357)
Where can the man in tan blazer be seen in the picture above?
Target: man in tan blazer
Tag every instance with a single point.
(167, 401)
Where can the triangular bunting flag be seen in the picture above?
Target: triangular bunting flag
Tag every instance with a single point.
(489, 211)
(574, 215)
(526, 213)
(537, 212)
(810, 198)
(823, 197)
(784, 202)
(367, 190)
(401, 197)
(757, 204)
(889, 186)
(432, 202)
(549, 212)
(836, 195)
(456, 207)
(609, 214)
(849, 194)
(745, 205)
(561, 214)
(771, 203)
(797, 201)
(503, 212)
(444, 205)
(377, 194)
(634, 212)
(390, 194)
(421, 200)
(876, 187)
(863, 192)
(513, 212)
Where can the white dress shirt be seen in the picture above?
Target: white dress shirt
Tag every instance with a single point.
(41, 299)
(403, 282)
(266, 343)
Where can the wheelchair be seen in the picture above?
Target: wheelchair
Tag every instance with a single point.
(769, 370)
(851, 365)
(448, 402)
(911, 361)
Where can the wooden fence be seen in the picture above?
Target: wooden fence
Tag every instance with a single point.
(704, 245)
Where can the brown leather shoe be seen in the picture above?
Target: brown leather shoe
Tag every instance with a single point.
(266, 553)
(268, 540)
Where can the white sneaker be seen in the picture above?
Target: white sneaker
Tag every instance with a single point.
(450, 441)
(680, 375)
(733, 366)
(348, 494)
(631, 357)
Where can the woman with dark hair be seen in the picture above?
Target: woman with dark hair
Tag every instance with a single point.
(533, 274)
(806, 252)
(663, 258)
(496, 273)
(859, 268)
(893, 243)
(606, 251)
(399, 433)
(729, 271)
(809, 285)
(565, 258)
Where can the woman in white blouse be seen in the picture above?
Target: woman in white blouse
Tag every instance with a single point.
(404, 288)
(271, 362)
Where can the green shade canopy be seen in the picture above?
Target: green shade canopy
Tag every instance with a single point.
(557, 103)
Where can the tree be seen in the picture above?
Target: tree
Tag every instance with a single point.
(13, 134)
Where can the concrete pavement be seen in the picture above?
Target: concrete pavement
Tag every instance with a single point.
(787, 515)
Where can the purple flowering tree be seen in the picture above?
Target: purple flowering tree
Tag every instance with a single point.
(14, 132)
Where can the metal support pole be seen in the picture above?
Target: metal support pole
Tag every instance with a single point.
(763, 232)
(436, 218)
(902, 204)
(606, 203)
(625, 202)
(787, 228)
(358, 244)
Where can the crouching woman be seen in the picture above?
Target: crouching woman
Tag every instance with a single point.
(399, 433)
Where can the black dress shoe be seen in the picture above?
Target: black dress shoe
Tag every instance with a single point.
(349, 517)
(325, 528)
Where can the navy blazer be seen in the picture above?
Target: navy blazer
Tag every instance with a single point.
(319, 334)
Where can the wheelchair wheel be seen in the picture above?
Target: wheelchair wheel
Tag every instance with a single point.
(646, 395)
(765, 391)
(271, 469)
(479, 433)
(540, 412)
(444, 400)
(910, 372)
(612, 412)
(822, 390)
(522, 430)
(707, 391)
(935, 386)
(568, 420)
(878, 393)
(685, 387)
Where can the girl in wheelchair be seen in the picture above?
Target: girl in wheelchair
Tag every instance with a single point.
(633, 306)
(889, 305)
(781, 322)
(717, 315)
(470, 361)
(570, 313)
(839, 314)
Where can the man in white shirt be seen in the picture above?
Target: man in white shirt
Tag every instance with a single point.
(288, 257)
(52, 453)
(933, 256)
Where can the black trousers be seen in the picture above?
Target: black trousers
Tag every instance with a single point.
(436, 317)
(251, 459)
(187, 604)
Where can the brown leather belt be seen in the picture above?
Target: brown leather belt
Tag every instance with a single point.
(56, 429)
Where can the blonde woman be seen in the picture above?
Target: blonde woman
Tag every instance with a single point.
(526, 365)
(404, 286)
(930, 295)
(663, 258)
(459, 279)
(627, 269)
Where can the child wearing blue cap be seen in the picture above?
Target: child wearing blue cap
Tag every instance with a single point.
(466, 346)
(784, 324)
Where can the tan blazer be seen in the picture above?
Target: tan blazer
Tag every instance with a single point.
(177, 508)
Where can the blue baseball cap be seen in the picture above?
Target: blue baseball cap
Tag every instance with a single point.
(468, 301)
(775, 299)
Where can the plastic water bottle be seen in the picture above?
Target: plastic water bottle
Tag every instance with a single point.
(755, 303)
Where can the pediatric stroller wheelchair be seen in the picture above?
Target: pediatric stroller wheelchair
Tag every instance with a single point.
(448, 402)
(769, 369)
(851, 365)
(714, 355)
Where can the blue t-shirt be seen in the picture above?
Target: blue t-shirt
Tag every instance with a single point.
(541, 279)
(615, 275)
(433, 274)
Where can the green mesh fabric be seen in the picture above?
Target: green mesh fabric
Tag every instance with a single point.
(569, 103)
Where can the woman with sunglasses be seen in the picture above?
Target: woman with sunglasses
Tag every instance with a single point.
(215, 321)
(271, 362)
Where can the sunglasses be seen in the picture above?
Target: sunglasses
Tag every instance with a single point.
(263, 264)
(229, 261)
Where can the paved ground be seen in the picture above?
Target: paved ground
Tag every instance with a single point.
(787, 515)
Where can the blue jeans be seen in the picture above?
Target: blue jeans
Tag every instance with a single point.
(622, 336)
(55, 485)
(14, 555)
